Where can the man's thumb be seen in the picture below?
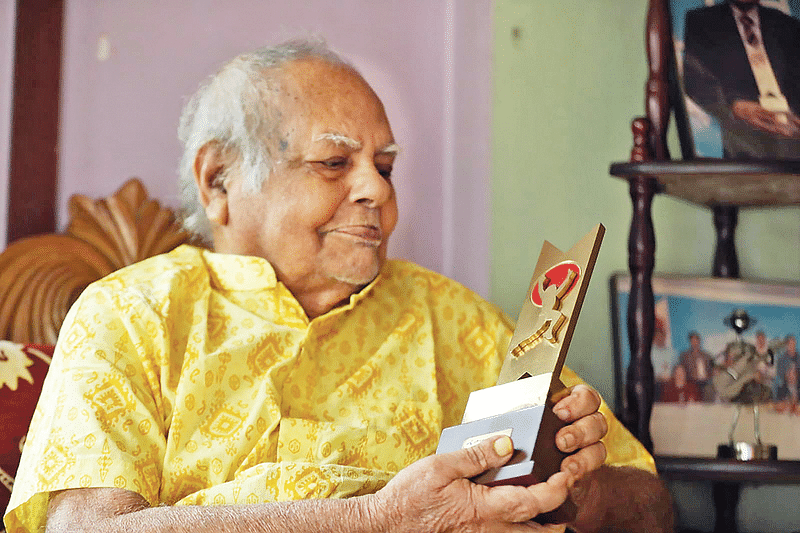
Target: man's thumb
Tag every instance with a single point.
(490, 453)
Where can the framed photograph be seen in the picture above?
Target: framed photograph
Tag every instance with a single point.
(706, 331)
(737, 74)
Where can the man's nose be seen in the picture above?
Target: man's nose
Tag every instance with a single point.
(369, 187)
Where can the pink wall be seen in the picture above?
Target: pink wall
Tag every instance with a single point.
(429, 60)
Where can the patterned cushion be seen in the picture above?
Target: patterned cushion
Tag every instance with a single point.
(22, 370)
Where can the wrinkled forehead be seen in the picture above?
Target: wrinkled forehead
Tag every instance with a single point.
(315, 102)
(317, 87)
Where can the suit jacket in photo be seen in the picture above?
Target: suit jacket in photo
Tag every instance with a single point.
(716, 72)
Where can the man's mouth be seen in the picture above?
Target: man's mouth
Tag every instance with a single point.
(366, 234)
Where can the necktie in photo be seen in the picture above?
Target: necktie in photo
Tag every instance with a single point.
(749, 32)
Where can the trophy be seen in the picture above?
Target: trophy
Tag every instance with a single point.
(739, 380)
(521, 404)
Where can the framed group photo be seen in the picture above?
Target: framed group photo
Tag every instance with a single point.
(737, 72)
(705, 330)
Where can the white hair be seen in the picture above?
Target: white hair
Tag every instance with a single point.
(236, 109)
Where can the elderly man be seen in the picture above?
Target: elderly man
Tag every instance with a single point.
(293, 379)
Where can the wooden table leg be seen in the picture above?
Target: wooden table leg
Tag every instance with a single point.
(639, 383)
(726, 263)
(726, 500)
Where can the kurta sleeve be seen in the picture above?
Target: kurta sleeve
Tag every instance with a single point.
(100, 421)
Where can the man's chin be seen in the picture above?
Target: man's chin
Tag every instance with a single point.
(357, 275)
(356, 280)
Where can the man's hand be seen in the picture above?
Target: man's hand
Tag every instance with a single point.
(784, 124)
(436, 495)
(608, 498)
(587, 427)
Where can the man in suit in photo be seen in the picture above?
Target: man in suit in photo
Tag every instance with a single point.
(741, 66)
(698, 365)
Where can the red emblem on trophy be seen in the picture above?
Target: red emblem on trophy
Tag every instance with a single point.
(564, 276)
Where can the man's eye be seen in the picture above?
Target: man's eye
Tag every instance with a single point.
(386, 172)
(334, 163)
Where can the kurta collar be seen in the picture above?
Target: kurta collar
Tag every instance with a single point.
(239, 272)
(358, 296)
(246, 273)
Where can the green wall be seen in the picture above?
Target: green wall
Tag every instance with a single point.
(569, 77)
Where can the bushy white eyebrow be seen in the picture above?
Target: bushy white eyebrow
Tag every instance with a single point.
(338, 138)
(390, 149)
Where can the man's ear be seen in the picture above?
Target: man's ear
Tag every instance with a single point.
(210, 166)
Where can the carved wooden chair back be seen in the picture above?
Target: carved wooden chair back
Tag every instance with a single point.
(41, 276)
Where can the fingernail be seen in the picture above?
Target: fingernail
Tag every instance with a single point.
(502, 446)
(567, 441)
(563, 414)
(573, 468)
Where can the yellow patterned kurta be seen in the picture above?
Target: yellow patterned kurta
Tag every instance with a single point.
(196, 378)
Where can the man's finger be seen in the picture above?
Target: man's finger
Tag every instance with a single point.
(784, 125)
(581, 401)
(582, 432)
(550, 494)
(584, 461)
(516, 504)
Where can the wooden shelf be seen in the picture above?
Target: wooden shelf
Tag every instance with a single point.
(716, 182)
(728, 470)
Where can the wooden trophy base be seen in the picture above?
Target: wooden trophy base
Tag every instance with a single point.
(748, 451)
